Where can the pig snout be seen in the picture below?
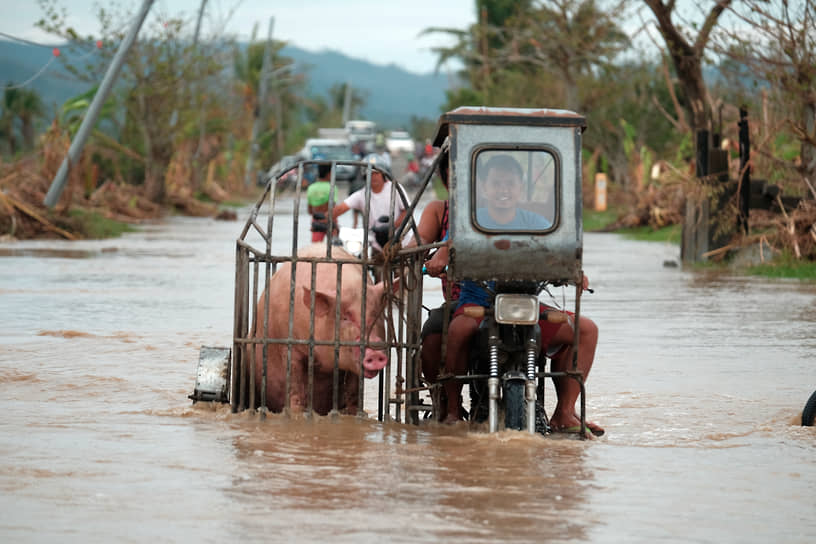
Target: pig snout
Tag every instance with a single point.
(373, 361)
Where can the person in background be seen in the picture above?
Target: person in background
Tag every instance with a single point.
(379, 205)
(433, 227)
(318, 196)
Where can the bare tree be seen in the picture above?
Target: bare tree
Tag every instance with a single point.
(687, 54)
(775, 42)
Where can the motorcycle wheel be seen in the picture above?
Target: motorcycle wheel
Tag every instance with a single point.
(514, 405)
(809, 413)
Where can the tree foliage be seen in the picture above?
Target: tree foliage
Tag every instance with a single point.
(772, 45)
(159, 92)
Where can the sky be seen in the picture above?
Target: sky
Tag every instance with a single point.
(379, 31)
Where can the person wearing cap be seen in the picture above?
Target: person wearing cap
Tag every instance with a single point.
(379, 204)
(317, 196)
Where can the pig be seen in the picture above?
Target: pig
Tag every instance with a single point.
(325, 302)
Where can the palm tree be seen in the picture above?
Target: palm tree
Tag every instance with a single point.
(28, 107)
(8, 117)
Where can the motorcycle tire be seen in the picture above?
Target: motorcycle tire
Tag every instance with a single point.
(809, 413)
(514, 405)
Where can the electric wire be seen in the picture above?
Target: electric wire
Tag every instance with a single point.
(56, 52)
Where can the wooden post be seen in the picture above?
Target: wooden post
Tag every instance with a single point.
(744, 197)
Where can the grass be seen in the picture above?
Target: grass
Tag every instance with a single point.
(594, 221)
(785, 266)
(96, 226)
(671, 234)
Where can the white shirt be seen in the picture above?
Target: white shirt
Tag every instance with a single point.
(380, 204)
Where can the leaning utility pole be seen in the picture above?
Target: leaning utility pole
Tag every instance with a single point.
(74, 152)
(260, 106)
(347, 103)
(202, 127)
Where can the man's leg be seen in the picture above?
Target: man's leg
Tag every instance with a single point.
(568, 389)
(461, 330)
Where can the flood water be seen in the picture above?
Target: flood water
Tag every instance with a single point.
(699, 380)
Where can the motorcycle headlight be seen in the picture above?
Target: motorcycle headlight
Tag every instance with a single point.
(517, 309)
(354, 247)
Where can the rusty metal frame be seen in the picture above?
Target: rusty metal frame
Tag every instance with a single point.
(258, 257)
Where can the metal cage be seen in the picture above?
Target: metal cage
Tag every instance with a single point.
(271, 238)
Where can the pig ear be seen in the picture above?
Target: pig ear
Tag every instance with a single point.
(323, 301)
(378, 289)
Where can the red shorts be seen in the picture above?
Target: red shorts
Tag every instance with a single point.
(548, 330)
(318, 236)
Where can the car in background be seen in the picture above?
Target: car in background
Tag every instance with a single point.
(399, 141)
(361, 131)
(288, 164)
(334, 150)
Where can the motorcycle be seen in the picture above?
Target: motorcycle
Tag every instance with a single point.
(507, 362)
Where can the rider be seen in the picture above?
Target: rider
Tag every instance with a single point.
(433, 227)
(502, 186)
(379, 205)
(317, 196)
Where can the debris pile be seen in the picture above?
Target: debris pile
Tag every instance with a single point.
(25, 182)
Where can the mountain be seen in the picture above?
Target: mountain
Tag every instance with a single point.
(21, 62)
(393, 95)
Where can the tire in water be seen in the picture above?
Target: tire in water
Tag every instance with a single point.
(809, 413)
(514, 405)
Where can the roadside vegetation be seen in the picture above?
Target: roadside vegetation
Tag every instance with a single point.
(174, 136)
(785, 266)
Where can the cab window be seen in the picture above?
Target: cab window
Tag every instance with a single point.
(514, 190)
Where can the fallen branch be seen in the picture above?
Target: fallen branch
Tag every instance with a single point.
(720, 250)
(9, 200)
(810, 186)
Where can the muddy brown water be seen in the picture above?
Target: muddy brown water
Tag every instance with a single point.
(700, 379)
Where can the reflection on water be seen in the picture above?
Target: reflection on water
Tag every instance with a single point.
(699, 380)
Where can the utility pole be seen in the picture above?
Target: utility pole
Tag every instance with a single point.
(74, 152)
(278, 121)
(202, 127)
(198, 23)
(347, 103)
(260, 107)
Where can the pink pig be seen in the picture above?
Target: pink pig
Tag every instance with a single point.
(325, 303)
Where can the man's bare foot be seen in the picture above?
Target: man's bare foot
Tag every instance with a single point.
(453, 416)
(573, 425)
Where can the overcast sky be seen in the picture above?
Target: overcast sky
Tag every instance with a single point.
(380, 31)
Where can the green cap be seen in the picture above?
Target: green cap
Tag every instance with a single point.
(318, 193)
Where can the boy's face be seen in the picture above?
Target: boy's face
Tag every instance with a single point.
(502, 188)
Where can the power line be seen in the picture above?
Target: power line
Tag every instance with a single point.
(35, 76)
(55, 52)
(23, 40)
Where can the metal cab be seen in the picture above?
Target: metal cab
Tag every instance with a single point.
(543, 147)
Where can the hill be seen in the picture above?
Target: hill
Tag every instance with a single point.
(20, 62)
(393, 95)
